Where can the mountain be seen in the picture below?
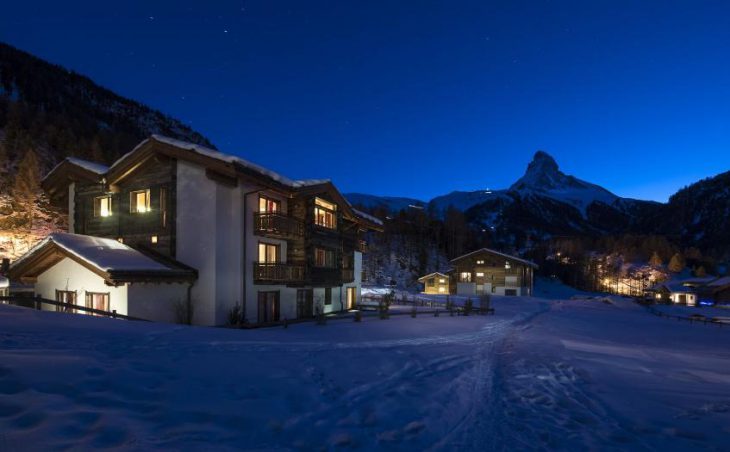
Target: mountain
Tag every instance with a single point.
(48, 113)
(391, 204)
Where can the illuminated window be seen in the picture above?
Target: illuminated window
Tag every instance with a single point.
(325, 214)
(153, 239)
(268, 205)
(324, 258)
(268, 253)
(103, 206)
(480, 275)
(465, 277)
(442, 280)
(480, 262)
(139, 201)
(442, 289)
(507, 265)
(120, 239)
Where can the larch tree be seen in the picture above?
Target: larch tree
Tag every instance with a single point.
(27, 184)
(676, 264)
(655, 260)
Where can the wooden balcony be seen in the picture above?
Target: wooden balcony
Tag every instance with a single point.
(277, 273)
(273, 224)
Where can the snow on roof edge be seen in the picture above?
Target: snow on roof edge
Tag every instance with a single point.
(489, 250)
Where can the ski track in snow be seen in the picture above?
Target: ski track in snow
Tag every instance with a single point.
(485, 389)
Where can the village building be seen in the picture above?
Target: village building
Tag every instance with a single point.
(486, 271)
(674, 292)
(4, 286)
(435, 283)
(232, 233)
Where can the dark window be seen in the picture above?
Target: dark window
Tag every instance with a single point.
(328, 296)
(431, 282)
(268, 307)
(305, 305)
(324, 258)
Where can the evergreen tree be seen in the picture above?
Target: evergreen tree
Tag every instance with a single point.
(676, 264)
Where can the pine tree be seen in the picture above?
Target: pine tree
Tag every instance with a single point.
(655, 260)
(676, 264)
(26, 186)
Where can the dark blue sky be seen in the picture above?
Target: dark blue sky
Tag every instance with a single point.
(418, 98)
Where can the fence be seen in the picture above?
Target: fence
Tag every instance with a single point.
(695, 318)
(37, 302)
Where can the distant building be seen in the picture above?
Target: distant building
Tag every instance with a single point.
(435, 283)
(486, 271)
(676, 293)
(693, 291)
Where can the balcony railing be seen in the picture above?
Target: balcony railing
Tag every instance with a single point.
(277, 225)
(278, 273)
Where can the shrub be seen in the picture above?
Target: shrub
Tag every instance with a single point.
(184, 311)
(414, 311)
(235, 315)
(468, 307)
(358, 316)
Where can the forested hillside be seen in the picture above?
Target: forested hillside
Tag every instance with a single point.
(48, 113)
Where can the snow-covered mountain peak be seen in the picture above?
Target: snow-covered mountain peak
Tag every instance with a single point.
(543, 177)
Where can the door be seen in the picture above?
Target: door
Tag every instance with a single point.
(268, 307)
(305, 303)
(351, 298)
(682, 299)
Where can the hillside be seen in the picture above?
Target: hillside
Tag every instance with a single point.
(48, 113)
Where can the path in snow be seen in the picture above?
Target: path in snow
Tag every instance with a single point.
(539, 374)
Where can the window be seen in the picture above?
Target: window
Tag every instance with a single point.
(442, 280)
(507, 265)
(480, 262)
(66, 296)
(268, 205)
(480, 275)
(153, 240)
(268, 253)
(324, 258)
(325, 214)
(328, 296)
(103, 206)
(163, 206)
(139, 201)
(97, 300)
(442, 289)
(465, 277)
(430, 282)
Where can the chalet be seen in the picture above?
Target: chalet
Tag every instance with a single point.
(487, 271)
(435, 283)
(225, 230)
(675, 292)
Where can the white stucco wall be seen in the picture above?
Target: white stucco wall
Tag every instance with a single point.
(69, 275)
(156, 301)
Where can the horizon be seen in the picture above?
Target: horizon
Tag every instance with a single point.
(395, 101)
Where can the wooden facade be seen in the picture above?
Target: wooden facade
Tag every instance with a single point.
(435, 283)
(487, 271)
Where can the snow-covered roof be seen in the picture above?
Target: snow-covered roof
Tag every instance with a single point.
(498, 253)
(719, 282)
(366, 216)
(106, 255)
(94, 167)
(433, 274)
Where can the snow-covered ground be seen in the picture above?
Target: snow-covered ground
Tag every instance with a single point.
(540, 374)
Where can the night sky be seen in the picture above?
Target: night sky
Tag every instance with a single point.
(418, 98)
